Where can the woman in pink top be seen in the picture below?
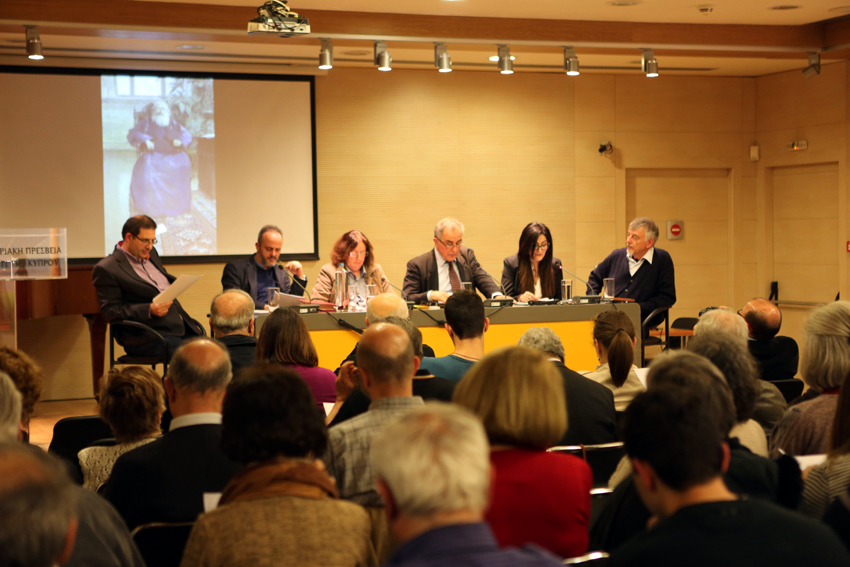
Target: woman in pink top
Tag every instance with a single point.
(538, 497)
(284, 339)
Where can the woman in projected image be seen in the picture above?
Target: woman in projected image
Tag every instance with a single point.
(533, 273)
(162, 176)
(355, 251)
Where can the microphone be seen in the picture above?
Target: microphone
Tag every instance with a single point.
(498, 283)
(388, 282)
(576, 277)
(292, 281)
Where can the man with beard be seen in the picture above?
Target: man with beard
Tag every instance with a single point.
(161, 183)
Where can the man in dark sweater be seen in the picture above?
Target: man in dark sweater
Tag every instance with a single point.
(232, 323)
(778, 357)
(678, 455)
(640, 271)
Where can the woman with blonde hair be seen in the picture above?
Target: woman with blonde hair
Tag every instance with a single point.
(614, 341)
(538, 497)
(132, 401)
(355, 252)
(804, 429)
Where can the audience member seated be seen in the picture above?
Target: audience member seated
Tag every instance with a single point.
(624, 515)
(165, 481)
(829, 480)
(284, 339)
(590, 406)
(431, 467)
(466, 325)
(679, 455)
(538, 497)
(804, 429)
(385, 367)
(28, 379)
(355, 251)
(777, 356)
(355, 401)
(378, 309)
(770, 403)
(102, 538)
(739, 368)
(232, 324)
(131, 403)
(614, 341)
(282, 506)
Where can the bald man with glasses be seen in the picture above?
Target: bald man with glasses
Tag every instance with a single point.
(128, 280)
(435, 275)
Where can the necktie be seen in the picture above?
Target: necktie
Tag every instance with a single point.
(455, 281)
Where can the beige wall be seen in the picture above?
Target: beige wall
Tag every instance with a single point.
(398, 151)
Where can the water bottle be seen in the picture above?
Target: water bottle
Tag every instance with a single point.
(340, 279)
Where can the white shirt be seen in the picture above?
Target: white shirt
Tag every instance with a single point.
(190, 419)
(634, 265)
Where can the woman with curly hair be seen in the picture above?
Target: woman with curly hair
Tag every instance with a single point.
(355, 252)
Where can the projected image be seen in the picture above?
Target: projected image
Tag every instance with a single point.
(158, 160)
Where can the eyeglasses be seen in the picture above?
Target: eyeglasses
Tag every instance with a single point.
(544, 246)
(145, 241)
(354, 254)
(451, 244)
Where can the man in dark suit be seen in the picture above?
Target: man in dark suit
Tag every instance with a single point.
(165, 481)
(590, 405)
(128, 280)
(257, 273)
(778, 357)
(640, 271)
(232, 323)
(435, 275)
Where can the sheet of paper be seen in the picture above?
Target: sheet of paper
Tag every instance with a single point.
(806, 461)
(181, 284)
(211, 501)
(328, 407)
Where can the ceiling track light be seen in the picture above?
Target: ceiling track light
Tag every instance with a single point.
(506, 65)
(382, 57)
(571, 62)
(442, 59)
(648, 63)
(33, 43)
(326, 55)
(814, 66)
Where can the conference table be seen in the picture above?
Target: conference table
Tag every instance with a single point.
(572, 323)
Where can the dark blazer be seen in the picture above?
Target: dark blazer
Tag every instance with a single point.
(652, 286)
(164, 481)
(510, 277)
(242, 349)
(590, 409)
(777, 358)
(242, 274)
(422, 276)
(122, 294)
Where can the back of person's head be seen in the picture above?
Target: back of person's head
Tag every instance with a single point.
(385, 352)
(465, 314)
(543, 339)
(269, 412)
(672, 429)
(284, 338)
(733, 359)
(826, 354)
(696, 373)
(200, 364)
(231, 310)
(764, 319)
(519, 397)
(37, 505)
(25, 374)
(723, 320)
(412, 331)
(615, 331)
(386, 305)
(132, 400)
(134, 225)
(434, 459)
(10, 409)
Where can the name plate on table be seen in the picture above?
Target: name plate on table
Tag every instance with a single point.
(33, 254)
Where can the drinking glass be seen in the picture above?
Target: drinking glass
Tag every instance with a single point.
(274, 298)
(608, 288)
